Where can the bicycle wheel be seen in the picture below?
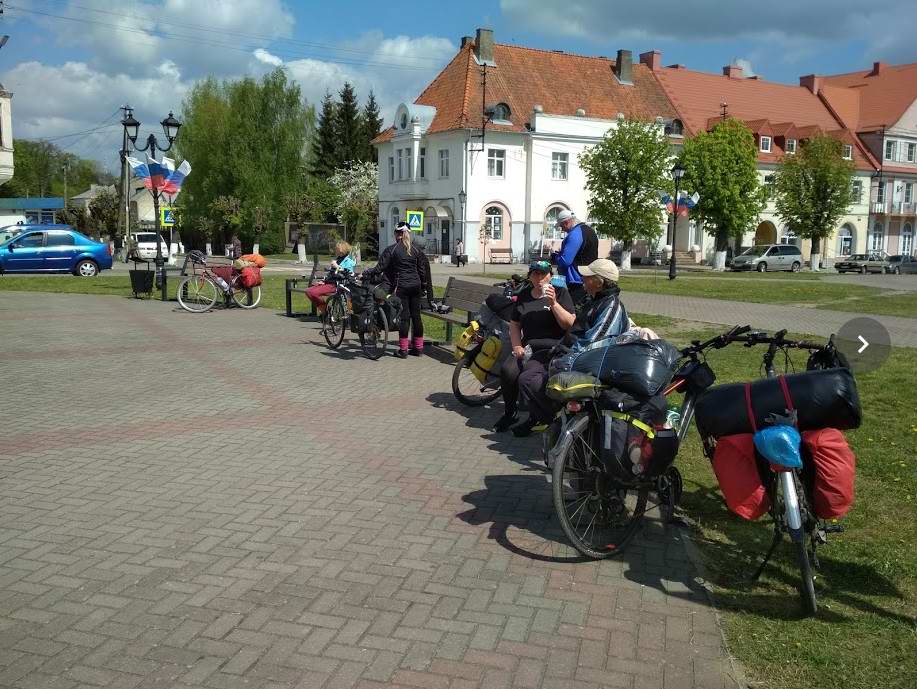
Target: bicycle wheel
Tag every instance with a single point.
(335, 321)
(597, 513)
(468, 389)
(245, 297)
(197, 293)
(375, 340)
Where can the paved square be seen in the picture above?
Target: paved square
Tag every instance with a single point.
(220, 501)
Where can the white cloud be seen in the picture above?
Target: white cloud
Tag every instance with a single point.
(265, 57)
(747, 69)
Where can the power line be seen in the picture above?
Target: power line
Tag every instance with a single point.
(101, 124)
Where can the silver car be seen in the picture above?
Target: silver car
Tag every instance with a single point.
(766, 257)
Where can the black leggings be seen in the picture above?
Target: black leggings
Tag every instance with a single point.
(410, 311)
(529, 379)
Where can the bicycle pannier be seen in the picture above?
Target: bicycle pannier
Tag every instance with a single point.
(224, 272)
(467, 340)
(834, 466)
(251, 277)
(737, 473)
(361, 298)
(484, 364)
(629, 430)
(257, 259)
(640, 367)
(823, 399)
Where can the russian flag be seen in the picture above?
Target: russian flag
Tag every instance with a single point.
(173, 182)
(686, 203)
(141, 170)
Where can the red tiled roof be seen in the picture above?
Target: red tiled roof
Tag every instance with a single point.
(560, 82)
(867, 100)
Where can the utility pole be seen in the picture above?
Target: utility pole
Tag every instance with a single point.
(125, 177)
(65, 168)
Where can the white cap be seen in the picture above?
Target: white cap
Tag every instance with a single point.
(602, 267)
(564, 215)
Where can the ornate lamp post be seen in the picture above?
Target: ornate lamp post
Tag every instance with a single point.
(462, 196)
(677, 173)
(170, 127)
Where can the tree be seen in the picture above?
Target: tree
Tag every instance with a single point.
(39, 171)
(357, 195)
(228, 210)
(624, 173)
(721, 166)
(371, 124)
(324, 145)
(348, 128)
(814, 190)
(105, 211)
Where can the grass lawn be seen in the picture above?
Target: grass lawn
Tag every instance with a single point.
(865, 634)
(901, 304)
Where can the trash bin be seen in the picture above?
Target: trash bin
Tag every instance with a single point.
(141, 282)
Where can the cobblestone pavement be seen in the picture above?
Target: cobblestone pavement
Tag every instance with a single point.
(220, 501)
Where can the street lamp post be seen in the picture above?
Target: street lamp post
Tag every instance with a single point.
(462, 198)
(677, 173)
(170, 127)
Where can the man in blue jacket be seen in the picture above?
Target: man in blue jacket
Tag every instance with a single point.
(579, 248)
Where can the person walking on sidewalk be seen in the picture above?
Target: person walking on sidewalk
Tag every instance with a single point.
(579, 248)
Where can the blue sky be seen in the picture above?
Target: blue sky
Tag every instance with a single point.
(71, 63)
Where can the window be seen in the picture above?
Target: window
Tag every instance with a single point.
(791, 145)
(47, 217)
(32, 240)
(857, 191)
(675, 128)
(444, 162)
(765, 144)
(423, 163)
(907, 239)
(493, 223)
(400, 163)
(60, 239)
(848, 152)
(880, 192)
(770, 186)
(391, 168)
(396, 217)
(891, 148)
(908, 192)
(877, 238)
(409, 167)
(911, 152)
(551, 231)
(496, 159)
(789, 236)
(500, 113)
(559, 162)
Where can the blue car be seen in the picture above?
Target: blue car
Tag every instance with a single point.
(53, 249)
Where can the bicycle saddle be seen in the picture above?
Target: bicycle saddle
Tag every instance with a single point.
(780, 445)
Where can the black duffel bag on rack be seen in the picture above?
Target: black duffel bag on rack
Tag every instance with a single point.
(640, 367)
(822, 399)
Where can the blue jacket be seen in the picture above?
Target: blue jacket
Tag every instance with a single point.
(566, 257)
(603, 319)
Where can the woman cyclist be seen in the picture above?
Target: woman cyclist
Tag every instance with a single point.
(405, 272)
(318, 294)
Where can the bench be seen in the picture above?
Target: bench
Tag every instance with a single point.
(504, 255)
(461, 295)
(293, 285)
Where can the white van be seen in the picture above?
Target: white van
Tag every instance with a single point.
(144, 245)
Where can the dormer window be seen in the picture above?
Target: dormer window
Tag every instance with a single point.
(765, 145)
(404, 120)
(848, 152)
(791, 145)
(675, 128)
(499, 113)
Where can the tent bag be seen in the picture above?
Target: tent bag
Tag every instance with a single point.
(251, 277)
(737, 473)
(641, 367)
(563, 387)
(466, 341)
(834, 470)
(485, 363)
(823, 399)
(257, 259)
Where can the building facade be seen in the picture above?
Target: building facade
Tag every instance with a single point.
(34, 209)
(6, 136)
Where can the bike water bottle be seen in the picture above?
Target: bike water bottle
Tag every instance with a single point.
(672, 417)
(222, 283)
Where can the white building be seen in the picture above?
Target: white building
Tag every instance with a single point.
(6, 136)
(501, 192)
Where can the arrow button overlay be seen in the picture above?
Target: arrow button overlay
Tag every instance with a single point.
(865, 342)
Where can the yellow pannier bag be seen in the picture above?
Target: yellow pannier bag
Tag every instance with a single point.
(466, 340)
(487, 358)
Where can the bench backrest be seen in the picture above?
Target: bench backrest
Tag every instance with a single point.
(465, 295)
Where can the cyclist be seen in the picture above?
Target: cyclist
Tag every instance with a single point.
(404, 271)
(318, 294)
(541, 317)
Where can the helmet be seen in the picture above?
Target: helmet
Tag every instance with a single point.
(198, 257)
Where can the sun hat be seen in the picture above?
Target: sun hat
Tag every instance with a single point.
(601, 267)
(564, 215)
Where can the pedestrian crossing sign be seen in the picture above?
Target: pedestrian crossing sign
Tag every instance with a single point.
(415, 220)
(167, 216)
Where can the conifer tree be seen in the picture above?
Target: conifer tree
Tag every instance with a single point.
(371, 122)
(324, 146)
(348, 129)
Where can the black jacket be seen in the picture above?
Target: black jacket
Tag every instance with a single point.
(398, 269)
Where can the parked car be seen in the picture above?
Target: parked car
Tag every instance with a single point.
(766, 257)
(863, 263)
(53, 249)
(902, 264)
(143, 244)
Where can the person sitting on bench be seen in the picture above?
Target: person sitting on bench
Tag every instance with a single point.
(318, 294)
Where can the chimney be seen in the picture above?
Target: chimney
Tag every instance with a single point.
(732, 71)
(811, 82)
(876, 68)
(466, 40)
(484, 47)
(624, 67)
(652, 59)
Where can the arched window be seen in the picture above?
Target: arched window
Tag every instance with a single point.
(907, 239)
(500, 112)
(396, 217)
(844, 241)
(551, 231)
(877, 238)
(675, 128)
(493, 223)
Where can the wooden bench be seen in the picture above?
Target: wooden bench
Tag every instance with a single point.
(504, 255)
(461, 295)
(293, 285)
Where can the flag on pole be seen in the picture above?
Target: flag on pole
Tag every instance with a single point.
(686, 203)
(160, 176)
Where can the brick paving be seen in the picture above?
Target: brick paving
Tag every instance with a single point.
(220, 501)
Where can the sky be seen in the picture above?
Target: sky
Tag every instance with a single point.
(72, 63)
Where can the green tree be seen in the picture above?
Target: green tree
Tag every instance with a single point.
(104, 211)
(228, 212)
(348, 128)
(624, 173)
(814, 190)
(357, 196)
(721, 166)
(371, 124)
(324, 145)
(39, 171)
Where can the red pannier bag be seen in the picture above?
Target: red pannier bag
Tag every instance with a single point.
(736, 471)
(251, 277)
(834, 471)
(224, 272)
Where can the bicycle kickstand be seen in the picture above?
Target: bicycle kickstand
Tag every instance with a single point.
(778, 536)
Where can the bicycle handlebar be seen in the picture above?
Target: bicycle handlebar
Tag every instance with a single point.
(718, 341)
(778, 339)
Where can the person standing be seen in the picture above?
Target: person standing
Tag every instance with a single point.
(460, 258)
(235, 247)
(579, 248)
